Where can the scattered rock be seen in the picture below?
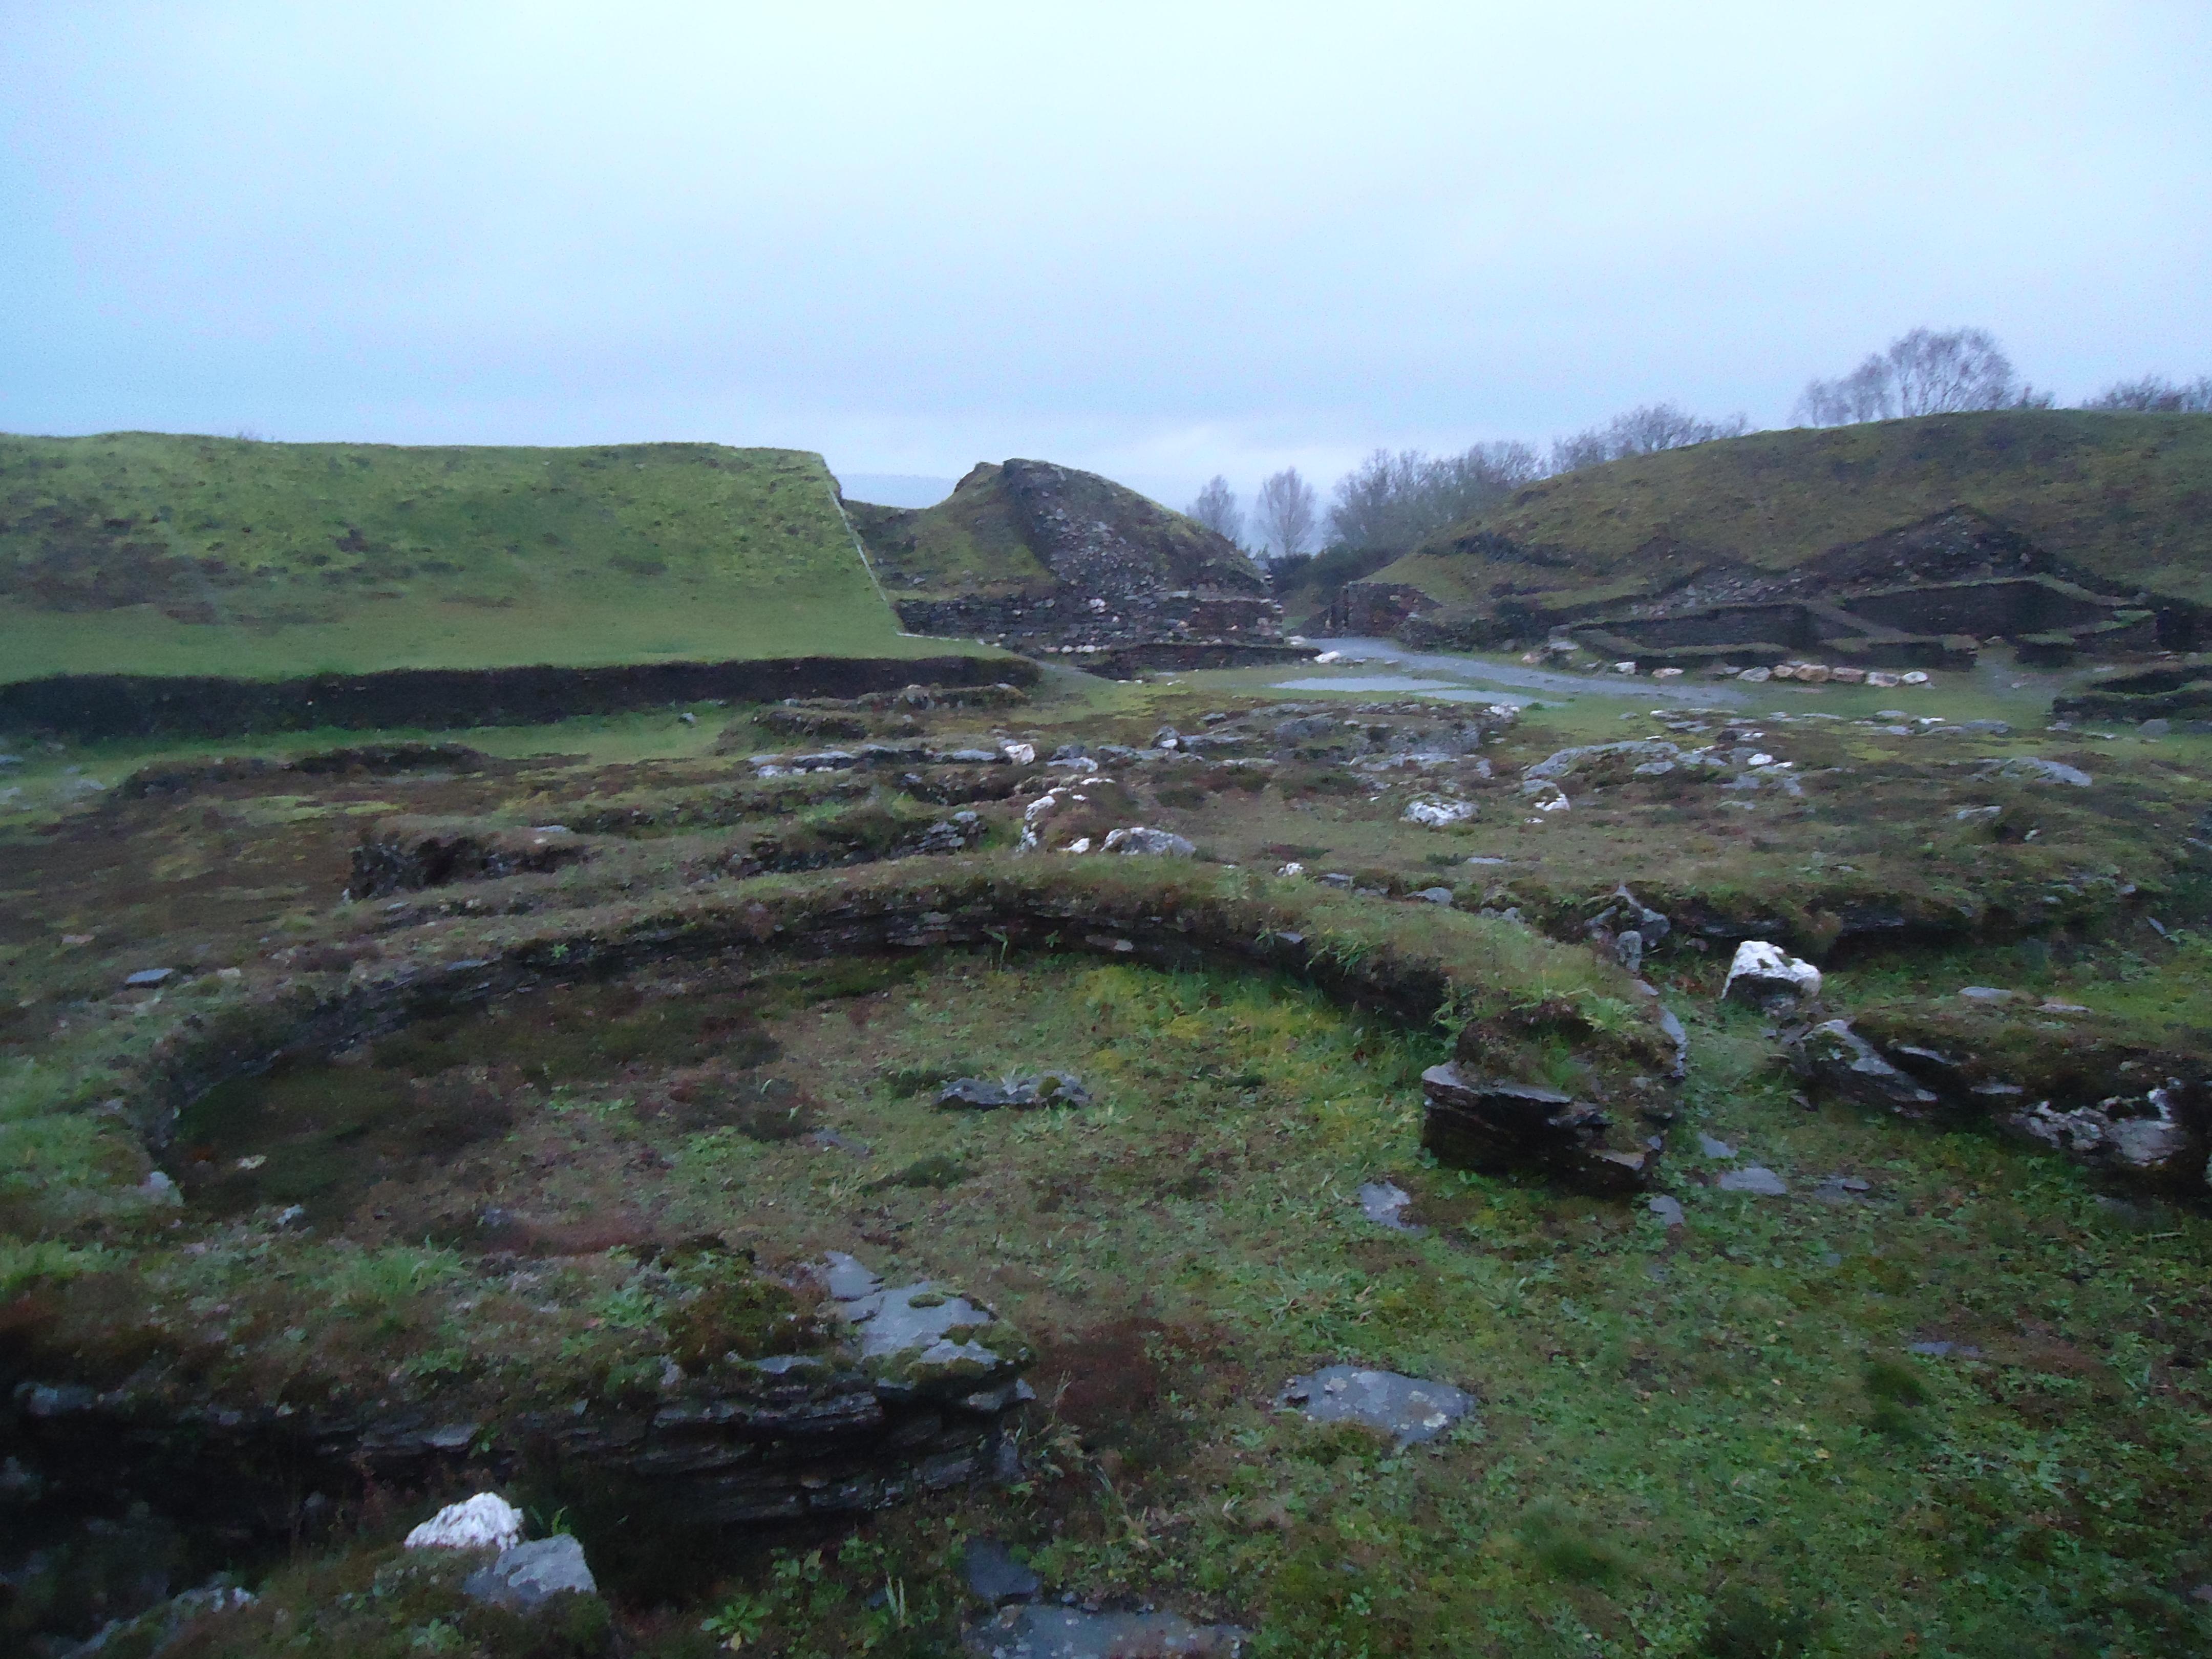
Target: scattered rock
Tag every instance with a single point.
(994, 1575)
(845, 1279)
(486, 1521)
(1756, 1179)
(1443, 896)
(2027, 768)
(1625, 756)
(526, 1576)
(1712, 1148)
(1834, 1055)
(1985, 993)
(1669, 1210)
(159, 1188)
(1383, 1203)
(1033, 1632)
(1839, 1189)
(1435, 812)
(1671, 1027)
(1407, 1407)
(2141, 1135)
(146, 977)
(1764, 974)
(953, 834)
(1046, 1089)
(1149, 843)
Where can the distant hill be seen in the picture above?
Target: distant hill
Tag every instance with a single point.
(155, 554)
(2121, 503)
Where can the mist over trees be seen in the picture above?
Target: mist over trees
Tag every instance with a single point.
(1216, 509)
(1926, 371)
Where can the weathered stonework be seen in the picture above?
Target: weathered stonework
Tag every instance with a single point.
(1047, 560)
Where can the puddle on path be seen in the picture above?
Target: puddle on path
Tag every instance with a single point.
(1446, 691)
(1533, 680)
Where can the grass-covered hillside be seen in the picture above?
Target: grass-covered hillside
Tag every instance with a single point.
(148, 553)
(2125, 497)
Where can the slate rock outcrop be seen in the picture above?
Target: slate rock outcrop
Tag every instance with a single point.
(1494, 1124)
(1045, 559)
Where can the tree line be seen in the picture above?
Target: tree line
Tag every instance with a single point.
(1391, 502)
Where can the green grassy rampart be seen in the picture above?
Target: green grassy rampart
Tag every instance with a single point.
(151, 553)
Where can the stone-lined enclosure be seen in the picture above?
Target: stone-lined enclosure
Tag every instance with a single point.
(909, 1391)
(1923, 595)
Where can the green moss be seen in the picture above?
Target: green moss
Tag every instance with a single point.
(740, 1314)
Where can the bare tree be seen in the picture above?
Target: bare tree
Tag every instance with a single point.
(1644, 431)
(1393, 502)
(1950, 371)
(1865, 394)
(1926, 371)
(1217, 509)
(1585, 448)
(2154, 394)
(1285, 513)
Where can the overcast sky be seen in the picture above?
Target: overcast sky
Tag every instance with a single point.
(1159, 241)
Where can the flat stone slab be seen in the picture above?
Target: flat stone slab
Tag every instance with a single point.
(916, 1340)
(529, 1575)
(995, 1577)
(1046, 1089)
(1757, 1180)
(1410, 1408)
(1072, 1634)
(846, 1279)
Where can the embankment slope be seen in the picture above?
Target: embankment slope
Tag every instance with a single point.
(2121, 500)
(145, 553)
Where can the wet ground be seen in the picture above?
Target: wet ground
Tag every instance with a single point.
(1465, 668)
(1925, 1389)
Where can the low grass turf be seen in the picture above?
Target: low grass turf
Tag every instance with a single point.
(145, 553)
(1711, 1440)
(1716, 1440)
(2124, 496)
